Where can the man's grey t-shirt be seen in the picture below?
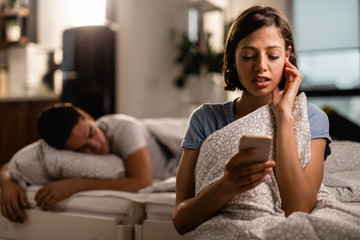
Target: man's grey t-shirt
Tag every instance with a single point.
(127, 134)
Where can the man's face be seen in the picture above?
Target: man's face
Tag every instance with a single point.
(87, 137)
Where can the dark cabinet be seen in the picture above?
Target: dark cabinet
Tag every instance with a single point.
(18, 124)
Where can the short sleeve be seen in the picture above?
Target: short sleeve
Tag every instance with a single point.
(124, 133)
(205, 120)
(319, 126)
(194, 135)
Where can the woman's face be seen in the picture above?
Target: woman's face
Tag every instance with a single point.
(260, 60)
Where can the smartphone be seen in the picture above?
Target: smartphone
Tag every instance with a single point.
(262, 143)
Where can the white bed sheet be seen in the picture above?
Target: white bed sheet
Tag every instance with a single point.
(128, 207)
(102, 203)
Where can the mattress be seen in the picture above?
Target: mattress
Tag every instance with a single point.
(98, 214)
(158, 223)
(161, 210)
(44, 225)
(126, 207)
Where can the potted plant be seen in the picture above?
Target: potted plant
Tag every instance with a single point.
(192, 59)
(12, 30)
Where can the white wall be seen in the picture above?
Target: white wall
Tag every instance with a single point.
(53, 17)
(145, 57)
(145, 49)
(145, 54)
(236, 7)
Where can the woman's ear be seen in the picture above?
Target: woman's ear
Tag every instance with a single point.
(288, 52)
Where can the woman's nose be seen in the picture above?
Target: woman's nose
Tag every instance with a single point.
(261, 64)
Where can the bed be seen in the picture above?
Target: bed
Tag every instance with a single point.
(97, 215)
(146, 215)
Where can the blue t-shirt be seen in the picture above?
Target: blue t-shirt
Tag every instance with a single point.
(208, 118)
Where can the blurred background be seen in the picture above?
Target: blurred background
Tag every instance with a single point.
(157, 58)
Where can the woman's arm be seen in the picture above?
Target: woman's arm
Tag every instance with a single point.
(190, 210)
(138, 175)
(298, 187)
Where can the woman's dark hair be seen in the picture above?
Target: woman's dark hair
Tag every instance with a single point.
(55, 123)
(249, 21)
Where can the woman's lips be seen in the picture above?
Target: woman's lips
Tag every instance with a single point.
(261, 81)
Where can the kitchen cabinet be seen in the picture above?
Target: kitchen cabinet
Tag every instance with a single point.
(18, 123)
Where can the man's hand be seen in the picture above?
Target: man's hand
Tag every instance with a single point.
(13, 201)
(54, 192)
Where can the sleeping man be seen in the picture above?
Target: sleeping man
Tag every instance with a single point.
(64, 126)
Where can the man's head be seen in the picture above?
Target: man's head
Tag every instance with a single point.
(64, 126)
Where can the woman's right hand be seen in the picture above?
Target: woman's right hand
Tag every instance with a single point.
(240, 177)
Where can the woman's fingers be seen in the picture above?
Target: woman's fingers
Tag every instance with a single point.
(255, 177)
(242, 184)
(248, 172)
(284, 102)
(291, 72)
(252, 185)
(236, 160)
(241, 176)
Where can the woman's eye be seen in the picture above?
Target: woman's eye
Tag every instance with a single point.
(247, 57)
(273, 57)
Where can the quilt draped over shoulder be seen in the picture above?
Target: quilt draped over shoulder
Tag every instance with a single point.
(257, 213)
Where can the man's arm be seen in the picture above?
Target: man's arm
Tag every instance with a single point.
(13, 197)
(138, 175)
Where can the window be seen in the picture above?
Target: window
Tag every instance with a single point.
(327, 40)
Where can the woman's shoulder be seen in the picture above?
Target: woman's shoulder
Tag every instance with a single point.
(210, 116)
(214, 109)
(315, 113)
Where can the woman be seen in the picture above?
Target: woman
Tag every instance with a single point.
(260, 59)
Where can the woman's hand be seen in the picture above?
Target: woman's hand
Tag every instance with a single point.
(283, 103)
(240, 177)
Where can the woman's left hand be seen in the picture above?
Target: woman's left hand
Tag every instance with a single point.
(283, 103)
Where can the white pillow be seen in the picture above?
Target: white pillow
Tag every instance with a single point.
(39, 163)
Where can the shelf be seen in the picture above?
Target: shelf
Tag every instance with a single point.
(23, 41)
(19, 14)
(12, 12)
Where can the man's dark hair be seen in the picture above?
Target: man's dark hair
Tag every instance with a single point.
(55, 123)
